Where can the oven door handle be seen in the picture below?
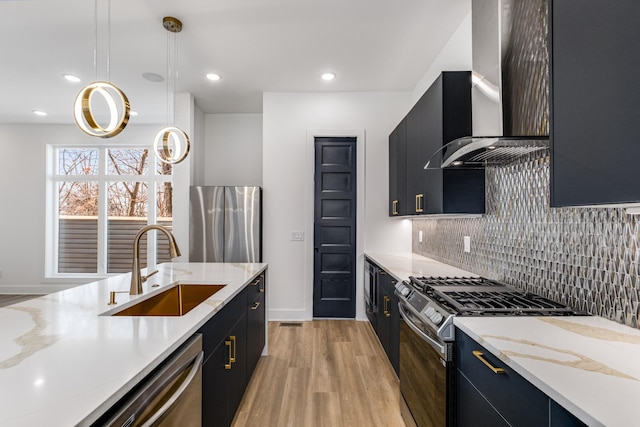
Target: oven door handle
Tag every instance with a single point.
(435, 344)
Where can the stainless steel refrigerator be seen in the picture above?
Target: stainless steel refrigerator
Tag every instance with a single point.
(225, 224)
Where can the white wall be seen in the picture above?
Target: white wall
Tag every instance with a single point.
(289, 119)
(233, 153)
(22, 197)
(454, 56)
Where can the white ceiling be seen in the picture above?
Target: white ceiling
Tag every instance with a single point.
(256, 45)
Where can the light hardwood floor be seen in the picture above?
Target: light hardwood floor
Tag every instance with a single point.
(323, 373)
(14, 299)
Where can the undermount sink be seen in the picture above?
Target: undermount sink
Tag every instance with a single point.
(175, 301)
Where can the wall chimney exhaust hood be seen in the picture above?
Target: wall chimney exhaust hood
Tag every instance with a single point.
(510, 86)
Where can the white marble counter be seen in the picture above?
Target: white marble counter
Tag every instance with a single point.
(62, 364)
(589, 365)
(401, 266)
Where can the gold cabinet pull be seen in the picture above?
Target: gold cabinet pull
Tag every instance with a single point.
(394, 206)
(386, 306)
(419, 203)
(232, 359)
(228, 365)
(479, 355)
(255, 282)
(255, 305)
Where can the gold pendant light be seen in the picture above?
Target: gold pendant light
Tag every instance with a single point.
(171, 144)
(116, 101)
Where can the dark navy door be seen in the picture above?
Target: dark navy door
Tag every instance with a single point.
(334, 278)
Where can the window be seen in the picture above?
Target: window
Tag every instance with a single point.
(98, 199)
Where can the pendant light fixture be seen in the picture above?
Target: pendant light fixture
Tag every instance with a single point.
(171, 144)
(116, 101)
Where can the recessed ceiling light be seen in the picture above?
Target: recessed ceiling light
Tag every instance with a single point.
(153, 77)
(71, 78)
(328, 76)
(39, 113)
(214, 77)
(133, 113)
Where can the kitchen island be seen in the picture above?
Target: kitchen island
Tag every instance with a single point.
(587, 364)
(64, 360)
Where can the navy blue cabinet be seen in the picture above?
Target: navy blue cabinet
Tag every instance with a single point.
(490, 394)
(398, 170)
(440, 116)
(233, 341)
(595, 103)
(388, 319)
(385, 318)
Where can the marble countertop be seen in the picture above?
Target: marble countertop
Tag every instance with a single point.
(62, 363)
(588, 364)
(401, 266)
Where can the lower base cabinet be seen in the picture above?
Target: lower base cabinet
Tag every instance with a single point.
(388, 320)
(487, 398)
(385, 318)
(233, 341)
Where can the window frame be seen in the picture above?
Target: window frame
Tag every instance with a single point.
(52, 209)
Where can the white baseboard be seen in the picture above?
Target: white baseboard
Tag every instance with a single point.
(279, 315)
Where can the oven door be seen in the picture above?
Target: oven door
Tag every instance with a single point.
(426, 372)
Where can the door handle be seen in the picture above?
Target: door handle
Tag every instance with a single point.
(480, 356)
(386, 306)
(419, 203)
(227, 366)
(233, 341)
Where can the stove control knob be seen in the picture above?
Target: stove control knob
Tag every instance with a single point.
(436, 318)
(404, 291)
(429, 312)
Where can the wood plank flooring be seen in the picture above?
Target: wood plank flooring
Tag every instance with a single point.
(7, 299)
(322, 373)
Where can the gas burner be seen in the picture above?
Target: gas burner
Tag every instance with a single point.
(437, 300)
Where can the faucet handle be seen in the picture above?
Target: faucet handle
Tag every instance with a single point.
(144, 278)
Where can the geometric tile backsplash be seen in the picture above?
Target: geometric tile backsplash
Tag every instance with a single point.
(587, 258)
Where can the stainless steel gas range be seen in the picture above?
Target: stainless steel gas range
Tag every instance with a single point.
(428, 306)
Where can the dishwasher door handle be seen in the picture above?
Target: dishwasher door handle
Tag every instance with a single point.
(435, 344)
(170, 403)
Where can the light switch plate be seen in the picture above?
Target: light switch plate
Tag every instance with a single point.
(297, 235)
(467, 243)
(420, 236)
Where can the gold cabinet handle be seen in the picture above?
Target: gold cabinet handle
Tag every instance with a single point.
(255, 305)
(394, 206)
(232, 359)
(479, 355)
(419, 203)
(386, 306)
(227, 366)
(255, 282)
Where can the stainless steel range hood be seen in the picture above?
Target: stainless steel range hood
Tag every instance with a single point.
(510, 86)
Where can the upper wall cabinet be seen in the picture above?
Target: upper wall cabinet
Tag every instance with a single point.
(595, 102)
(441, 115)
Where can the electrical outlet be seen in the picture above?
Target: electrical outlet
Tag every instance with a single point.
(297, 235)
(467, 243)
(420, 236)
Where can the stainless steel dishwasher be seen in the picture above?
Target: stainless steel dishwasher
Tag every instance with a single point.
(170, 396)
